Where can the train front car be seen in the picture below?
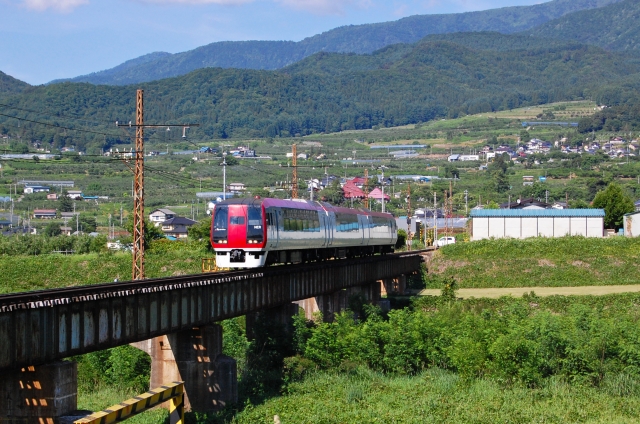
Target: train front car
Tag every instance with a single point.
(238, 233)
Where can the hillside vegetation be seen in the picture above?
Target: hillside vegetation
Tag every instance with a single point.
(348, 39)
(331, 92)
(545, 262)
(9, 85)
(606, 27)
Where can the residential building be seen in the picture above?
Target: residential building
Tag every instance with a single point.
(159, 216)
(529, 203)
(36, 189)
(237, 187)
(177, 227)
(44, 213)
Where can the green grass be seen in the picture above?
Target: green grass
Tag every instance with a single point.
(104, 397)
(544, 262)
(437, 396)
(26, 273)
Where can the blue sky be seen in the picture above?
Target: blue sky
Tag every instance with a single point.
(41, 40)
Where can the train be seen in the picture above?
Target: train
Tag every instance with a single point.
(256, 232)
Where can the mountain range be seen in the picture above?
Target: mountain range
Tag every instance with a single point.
(360, 39)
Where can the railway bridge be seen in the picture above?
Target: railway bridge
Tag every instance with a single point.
(172, 319)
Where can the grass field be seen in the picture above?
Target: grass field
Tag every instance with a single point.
(539, 262)
(437, 396)
(26, 273)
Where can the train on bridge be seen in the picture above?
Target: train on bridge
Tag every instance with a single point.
(254, 232)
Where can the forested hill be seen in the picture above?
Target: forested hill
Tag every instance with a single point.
(394, 86)
(348, 39)
(9, 84)
(613, 27)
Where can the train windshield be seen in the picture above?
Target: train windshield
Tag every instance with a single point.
(254, 225)
(220, 223)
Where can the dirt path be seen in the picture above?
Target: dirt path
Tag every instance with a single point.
(540, 291)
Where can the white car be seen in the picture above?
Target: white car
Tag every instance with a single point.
(443, 241)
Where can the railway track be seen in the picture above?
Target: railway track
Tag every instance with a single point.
(61, 296)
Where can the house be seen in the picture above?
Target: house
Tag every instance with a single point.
(177, 227)
(44, 213)
(524, 223)
(159, 216)
(66, 230)
(527, 180)
(52, 196)
(36, 189)
(465, 158)
(237, 187)
(376, 194)
(75, 194)
(637, 205)
(453, 158)
(529, 203)
(351, 191)
(68, 215)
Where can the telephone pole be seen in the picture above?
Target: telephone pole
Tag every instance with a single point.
(294, 183)
(366, 188)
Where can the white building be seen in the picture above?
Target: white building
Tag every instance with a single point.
(159, 216)
(524, 223)
(632, 224)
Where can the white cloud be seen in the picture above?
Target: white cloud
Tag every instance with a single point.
(325, 7)
(59, 5)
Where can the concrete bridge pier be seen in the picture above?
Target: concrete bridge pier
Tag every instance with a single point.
(396, 285)
(39, 394)
(333, 303)
(195, 357)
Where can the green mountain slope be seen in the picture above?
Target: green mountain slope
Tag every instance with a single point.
(348, 39)
(330, 92)
(8, 84)
(611, 27)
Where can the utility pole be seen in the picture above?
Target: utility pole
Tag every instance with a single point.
(366, 188)
(466, 202)
(435, 217)
(294, 182)
(382, 185)
(138, 186)
(224, 176)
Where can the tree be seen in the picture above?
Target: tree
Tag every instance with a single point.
(151, 232)
(333, 193)
(615, 204)
(65, 204)
(86, 223)
(52, 229)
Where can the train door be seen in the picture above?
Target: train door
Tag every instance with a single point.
(330, 219)
(272, 228)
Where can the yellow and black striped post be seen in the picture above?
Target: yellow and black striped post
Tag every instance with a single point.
(154, 397)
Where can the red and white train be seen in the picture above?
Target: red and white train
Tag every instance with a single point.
(249, 233)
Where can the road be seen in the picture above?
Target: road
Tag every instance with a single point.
(540, 291)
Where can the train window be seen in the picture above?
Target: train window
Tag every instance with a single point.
(237, 220)
(305, 225)
(346, 222)
(316, 225)
(220, 223)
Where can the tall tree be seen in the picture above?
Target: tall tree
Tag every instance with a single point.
(615, 204)
(65, 204)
